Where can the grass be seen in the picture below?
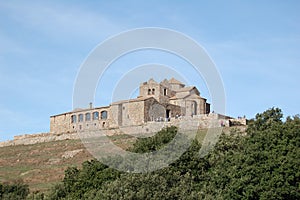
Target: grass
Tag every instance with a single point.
(124, 141)
(41, 165)
(32, 163)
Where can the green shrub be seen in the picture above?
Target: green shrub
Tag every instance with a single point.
(16, 190)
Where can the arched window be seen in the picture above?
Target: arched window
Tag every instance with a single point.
(80, 118)
(194, 108)
(104, 114)
(149, 91)
(153, 91)
(165, 91)
(73, 119)
(95, 115)
(87, 116)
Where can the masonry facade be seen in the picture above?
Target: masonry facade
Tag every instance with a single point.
(157, 101)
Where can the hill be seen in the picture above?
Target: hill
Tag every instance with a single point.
(261, 163)
(42, 165)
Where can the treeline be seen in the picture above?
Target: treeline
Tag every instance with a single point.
(263, 164)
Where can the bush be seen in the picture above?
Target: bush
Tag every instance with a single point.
(16, 190)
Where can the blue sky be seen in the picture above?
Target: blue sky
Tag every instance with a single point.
(254, 44)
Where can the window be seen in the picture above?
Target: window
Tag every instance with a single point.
(194, 108)
(87, 116)
(80, 118)
(149, 91)
(95, 115)
(73, 119)
(104, 114)
(153, 91)
(165, 91)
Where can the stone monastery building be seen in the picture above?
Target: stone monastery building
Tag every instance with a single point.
(164, 101)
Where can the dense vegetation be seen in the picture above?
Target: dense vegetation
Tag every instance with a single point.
(16, 190)
(263, 164)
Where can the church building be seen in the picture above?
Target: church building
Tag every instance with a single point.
(157, 102)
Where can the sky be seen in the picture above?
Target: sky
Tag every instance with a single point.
(255, 46)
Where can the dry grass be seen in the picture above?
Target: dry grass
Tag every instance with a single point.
(41, 165)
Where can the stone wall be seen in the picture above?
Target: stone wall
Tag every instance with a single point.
(202, 121)
(237, 122)
(63, 123)
(153, 110)
(160, 91)
(38, 138)
(60, 123)
(133, 113)
(190, 106)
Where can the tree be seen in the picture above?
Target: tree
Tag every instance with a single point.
(16, 190)
(265, 120)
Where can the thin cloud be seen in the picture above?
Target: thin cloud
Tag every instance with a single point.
(9, 45)
(60, 20)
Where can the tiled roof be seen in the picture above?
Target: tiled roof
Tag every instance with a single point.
(77, 110)
(194, 96)
(179, 96)
(185, 89)
(175, 81)
(132, 100)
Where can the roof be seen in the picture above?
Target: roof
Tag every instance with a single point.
(175, 81)
(76, 110)
(185, 89)
(184, 96)
(132, 100)
(104, 107)
(179, 96)
(151, 80)
(194, 96)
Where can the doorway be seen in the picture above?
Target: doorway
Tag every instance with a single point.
(167, 115)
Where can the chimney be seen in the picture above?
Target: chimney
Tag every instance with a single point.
(91, 105)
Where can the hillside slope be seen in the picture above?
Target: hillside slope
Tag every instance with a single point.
(42, 165)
